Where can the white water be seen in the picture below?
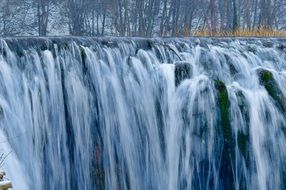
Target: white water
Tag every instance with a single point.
(109, 116)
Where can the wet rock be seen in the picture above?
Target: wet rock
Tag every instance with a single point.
(2, 174)
(267, 44)
(204, 43)
(110, 44)
(82, 52)
(232, 69)
(1, 113)
(228, 152)
(4, 185)
(251, 48)
(83, 59)
(281, 47)
(183, 70)
(243, 136)
(197, 42)
(224, 104)
(267, 80)
(206, 63)
(144, 44)
(156, 50)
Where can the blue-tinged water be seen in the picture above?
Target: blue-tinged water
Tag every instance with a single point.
(142, 114)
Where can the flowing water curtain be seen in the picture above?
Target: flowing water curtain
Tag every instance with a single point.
(141, 114)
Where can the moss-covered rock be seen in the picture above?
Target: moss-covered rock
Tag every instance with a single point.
(223, 103)
(243, 134)
(267, 80)
(228, 153)
(183, 70)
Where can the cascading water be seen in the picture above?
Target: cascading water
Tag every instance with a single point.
(113, 113)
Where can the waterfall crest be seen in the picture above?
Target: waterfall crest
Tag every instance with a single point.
(115, 113)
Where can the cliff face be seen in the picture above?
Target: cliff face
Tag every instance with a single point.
(135, 113)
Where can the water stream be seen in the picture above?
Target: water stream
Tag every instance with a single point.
(84, 113)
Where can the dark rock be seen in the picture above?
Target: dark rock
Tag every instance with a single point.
(232, 69)
(251, 49)
(83, 59)
(1, 113)
(143, 44)
(110, 44)
(183, 70)
(281, 47)
(197, 41)
(82, 52)
(268, 44)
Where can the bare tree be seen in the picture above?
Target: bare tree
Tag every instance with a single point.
(76, 15)
(235, 23)
(138, 17)
(43, 8)
(213, 16)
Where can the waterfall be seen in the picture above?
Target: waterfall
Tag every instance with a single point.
(132, 113)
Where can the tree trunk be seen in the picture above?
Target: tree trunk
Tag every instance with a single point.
(43, 16)
(235, 25)
(213, 16)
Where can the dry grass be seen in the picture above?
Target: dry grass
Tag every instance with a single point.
(243, 33)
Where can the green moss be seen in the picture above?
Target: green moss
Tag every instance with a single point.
(228, 152)
(243, 137)
(242, 142)
(224, 104)
(267, 80)
(244, 107)
(265, 76)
